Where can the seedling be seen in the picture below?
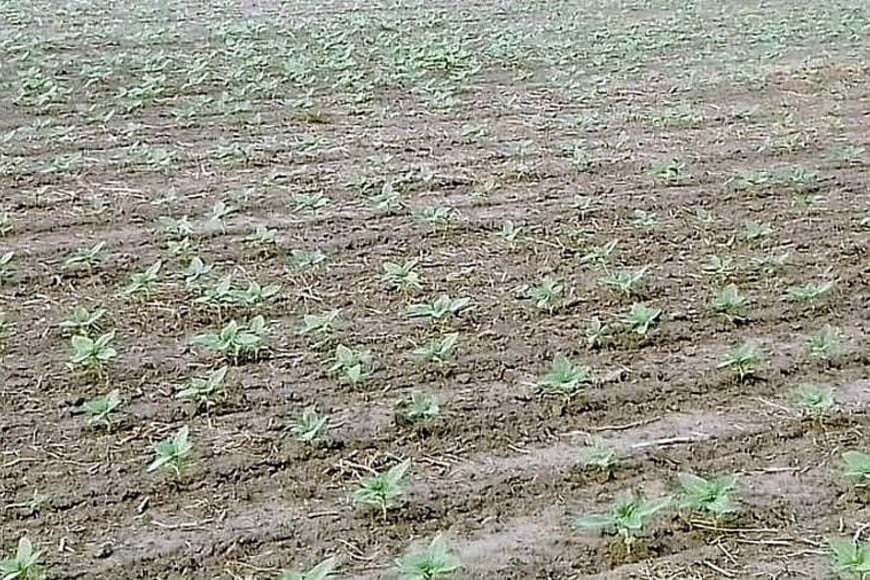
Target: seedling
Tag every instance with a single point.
(382, 490)
(401, 276)
(601, 254)
(435, 562)
(263, 236)
(645, 220)
(420, 408)
(310, 202)
(219, 211)
(100, 409)
(641, 318)
(83, 321)
(756, 232)
(86, 256)
(306, 259)
(671, 171)
(547, 294)
(596, 333)
(627, 516)
(851, 558)
(172, 453)
(93, 354)
(254, 294)
(5, 259)
(584, 205)
(510, 231)
(196, 272)
(564, 377)
(236, 341)
(810, 292)
(719, 268)
(309, 426)
(730, 303)
(352, 366)
(857, 468)
(177, 228)
(180, 248)
(601, 459)
(143, 281)
(5, 224)
(439, 350)
(743, 361)
(220, 292)
(708, 496)
(322, 571)
(626, 282)
(205, 390)
(441, 308)
(825, 344)
(388, 200)
(319, 326)
(433, 216)
(24, 565)
(815, 400)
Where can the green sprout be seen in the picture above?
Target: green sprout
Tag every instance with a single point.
(100, 409)
(441, 308)
(309, 426)
(596, 333)
(851, 558)
(627, 516)
(645, 220)
(641, 318)
(24, 565)
(433, 216)
(219, 211)
(352, 366)
(670, 171)
(197, 270)
(319, 326)
(756, 232)
(814, 399)
(383, 490)
(93, 354)
(322, 571)
(5, 259)
(205, 390)
(601, 459)
(626, 282)
(825, 344)
(401, 276)
(564, 377)
(857, 468)
(547, 294)
(176, 228)
(263, 236)
(730, 303)
(83, 321)
(601, 254)
(420, 408)
(306, 259)
(143, 281)
(254, 294)
(220, 292)
(719, 268)
(510, 232)
(172, 453)
(438, 350)
(236, 341)
(387, 200)
(810, 292)
(709, 496)
(310, 202)
(85, 256)
(435, 562)
(743, 360)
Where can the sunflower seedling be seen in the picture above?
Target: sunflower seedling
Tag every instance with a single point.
(730, 304)
(851, 558)
(628, 516)
(645, 220)
(626, 282)
(743, 361)
(24, 565)
(510, 232)
(236, 341)
(857, 468)
(547, 294)
(811, 292)
(92, 354)
(756, 232)
(601, 459)
(432, 216)
(205, 390)
(565, 377)
(437, 561)
(352, 366)
(441, 308)
(100, 409)
(86, 256)
(825, 344)
(172, 453)
(401, 276)
(263, 237)
(816, 400)
(322, 571)
(143, 281)
(310, 202)
(439, 350)
(601, 254)
(641, 318)
(719, 268)
(82, 321)
(309, 426)
(596, 333)
(382, 490)
(306, 259)
(708, 496)
(254, 294)
(420, 408)
(197, 271)
(319, 326)
(5, 259)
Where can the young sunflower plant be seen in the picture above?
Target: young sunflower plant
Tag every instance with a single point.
(24, 564)
(436, 562)
(351, 365)
(628, 517)
(381, 491)
(310, 426)
(322, 571)
(92, 353)
(236, 341)
(172, 454)
(712, 497)
(565, 377)
(850, 558)
(100, 409)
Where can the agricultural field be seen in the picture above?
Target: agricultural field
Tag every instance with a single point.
(487, 290)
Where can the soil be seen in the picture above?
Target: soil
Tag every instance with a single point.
(500, 471)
